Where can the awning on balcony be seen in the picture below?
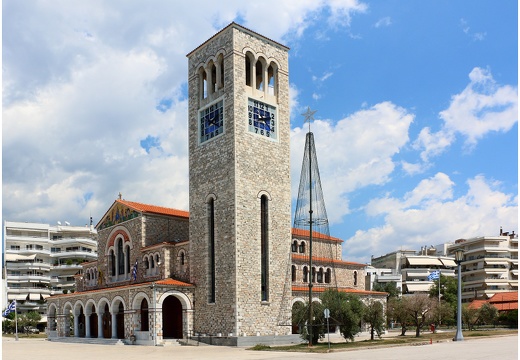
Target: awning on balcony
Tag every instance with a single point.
(422, 260)
(16, 297)
(449, 262)
(18, 257)
(34, 296)
(45, 296)
(496, 261)
(418, 286)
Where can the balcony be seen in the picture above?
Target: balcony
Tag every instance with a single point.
(27, 266)
(28, 278)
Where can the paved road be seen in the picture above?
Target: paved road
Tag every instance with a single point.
(503, 348)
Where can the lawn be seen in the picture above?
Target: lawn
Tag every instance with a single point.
(387, 341)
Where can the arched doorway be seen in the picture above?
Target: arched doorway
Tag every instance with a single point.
(81, 323)
(93, 322)
(299, 316)
(145, 326)
(107, 323)
(120, 321)
(172, 318)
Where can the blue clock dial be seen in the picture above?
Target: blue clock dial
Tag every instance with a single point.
(211, 121)
(262, 119)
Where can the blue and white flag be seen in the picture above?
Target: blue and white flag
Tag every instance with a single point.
(134, 271)
(434, 275)
(10, 308)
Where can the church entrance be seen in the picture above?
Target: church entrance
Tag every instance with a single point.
(120, 319)
(93, 323)
(107, 323)
(81, 324)
(172, 318)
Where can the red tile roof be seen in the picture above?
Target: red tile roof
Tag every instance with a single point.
(477, 304)
(315, 234)
(146, 208)
(169, 281)
(326, 260)
(504, 297)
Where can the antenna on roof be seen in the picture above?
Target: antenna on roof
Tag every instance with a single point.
(59, 222)
(67, 223)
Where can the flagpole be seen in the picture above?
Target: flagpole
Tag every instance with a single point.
(16, 322)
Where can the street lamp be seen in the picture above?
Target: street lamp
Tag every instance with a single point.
(459, 256)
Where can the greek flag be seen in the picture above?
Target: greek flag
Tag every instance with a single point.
(134, 271)
(434, 275)
(10, 308)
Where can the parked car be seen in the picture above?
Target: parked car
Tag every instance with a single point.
(31, 330)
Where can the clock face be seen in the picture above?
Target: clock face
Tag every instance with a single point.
(211, 121)
(262, 119)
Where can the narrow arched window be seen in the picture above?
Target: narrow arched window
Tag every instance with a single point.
(182, 258)
(302, 248)
(320, 275)
(355, 278)
(305, 274)
(211, 250)
(248, 70)
(120, 258)
(294, 246)
(313, 274)
(259, 75)
(293, 273)
(112, 263)
(128, 259)
(327, 276)
(264, 245)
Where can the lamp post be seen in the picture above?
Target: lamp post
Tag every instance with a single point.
(459, 255)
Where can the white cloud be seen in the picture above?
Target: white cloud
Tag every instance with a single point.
(386, 21)
(481, 108)
(351, 155)
(431, 215)
(82, 83)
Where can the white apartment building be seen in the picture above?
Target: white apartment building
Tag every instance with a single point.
(490, 265)
(41, 260)
(410, 269)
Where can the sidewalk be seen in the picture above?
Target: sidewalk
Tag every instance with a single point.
(503, 348)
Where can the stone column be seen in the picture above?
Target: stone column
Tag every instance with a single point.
(100, 325)
(87, 325)
(76, 325)
(114, 325)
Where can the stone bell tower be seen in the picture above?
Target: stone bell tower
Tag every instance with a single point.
(240, 200)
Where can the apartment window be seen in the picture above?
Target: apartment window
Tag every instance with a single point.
(38, 247)
(55, 250)
(28, 247)
(15, 247)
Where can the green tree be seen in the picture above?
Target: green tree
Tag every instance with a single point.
(374, 316)
(300, 316)
(509, 318)
(388, 287)
(346, 311)
(469, 316)
(419, 308)
(448, 290)
(487, 314)
(28, 319)
(396, 311)
(443, 313)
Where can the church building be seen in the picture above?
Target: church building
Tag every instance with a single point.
(219, 271)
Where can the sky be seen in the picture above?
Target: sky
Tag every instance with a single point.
(416, 123)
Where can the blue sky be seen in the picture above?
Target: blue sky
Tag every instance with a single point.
(416, 125)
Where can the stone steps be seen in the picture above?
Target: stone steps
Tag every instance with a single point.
(81, 340)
